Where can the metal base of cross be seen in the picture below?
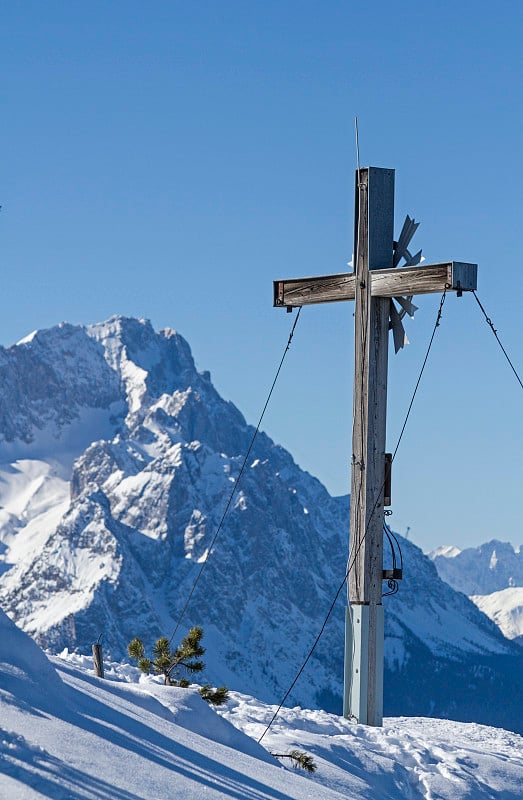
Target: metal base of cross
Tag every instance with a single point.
(363, 680)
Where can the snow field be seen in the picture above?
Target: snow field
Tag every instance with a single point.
(68, 735)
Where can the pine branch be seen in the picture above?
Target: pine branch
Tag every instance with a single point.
(300, 760)
(161, 648)
(144, 665)
(135, 648)
(192, 666)
(215, 697)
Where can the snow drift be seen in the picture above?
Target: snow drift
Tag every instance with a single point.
(66, 734)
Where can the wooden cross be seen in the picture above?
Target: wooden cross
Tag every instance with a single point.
(375, 281)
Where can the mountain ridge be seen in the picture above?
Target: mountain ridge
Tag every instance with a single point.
(492, 576)
(141, 502)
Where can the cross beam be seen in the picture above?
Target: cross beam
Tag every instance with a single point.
(453, 275)
(375, 280)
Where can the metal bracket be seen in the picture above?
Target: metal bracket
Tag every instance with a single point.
(392, 574)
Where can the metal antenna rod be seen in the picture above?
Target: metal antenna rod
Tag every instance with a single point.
(357, 146)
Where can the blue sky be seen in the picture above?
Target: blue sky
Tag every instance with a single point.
(169, 160)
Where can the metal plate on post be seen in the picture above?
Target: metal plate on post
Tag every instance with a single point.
(356, 663)
(380, 189)
(356, 703)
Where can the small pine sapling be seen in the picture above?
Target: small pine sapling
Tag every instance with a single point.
(168, 662)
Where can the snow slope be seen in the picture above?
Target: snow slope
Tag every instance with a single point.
(505, 608)
(68, 735)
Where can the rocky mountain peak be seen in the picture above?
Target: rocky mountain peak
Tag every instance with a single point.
(490, 567)
(110, 539)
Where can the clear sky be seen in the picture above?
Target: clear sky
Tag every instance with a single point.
(170, 159)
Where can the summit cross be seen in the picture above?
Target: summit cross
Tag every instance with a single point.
(376, 280)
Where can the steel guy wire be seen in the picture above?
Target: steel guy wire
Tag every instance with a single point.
(237, 482)
(360, 544)
(494, 331)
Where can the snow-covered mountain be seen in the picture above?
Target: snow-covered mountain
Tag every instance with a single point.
(117, 459)
(492, 576)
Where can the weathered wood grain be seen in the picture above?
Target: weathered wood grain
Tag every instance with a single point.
(373, 247)
(454, 275)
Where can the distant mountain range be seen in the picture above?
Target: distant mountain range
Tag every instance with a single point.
(492, 576)
(116, 461)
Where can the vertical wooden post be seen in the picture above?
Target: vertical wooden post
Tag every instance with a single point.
(374, 221)
(98, 662)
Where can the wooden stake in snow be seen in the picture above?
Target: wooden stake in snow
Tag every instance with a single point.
(98, 662)
(376, 285)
